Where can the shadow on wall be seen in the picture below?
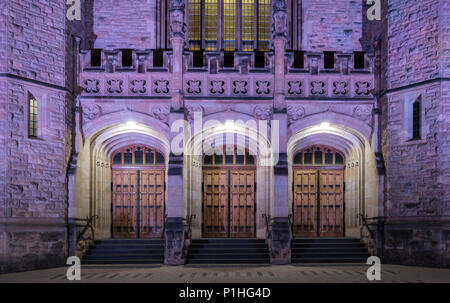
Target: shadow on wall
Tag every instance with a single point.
(370, 29)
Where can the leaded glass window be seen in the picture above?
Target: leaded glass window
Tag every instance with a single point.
(32, 116)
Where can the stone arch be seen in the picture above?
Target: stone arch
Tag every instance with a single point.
(92, 191)
(192, 173)
(361, 190)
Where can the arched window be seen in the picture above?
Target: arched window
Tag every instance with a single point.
(237, 24)
(416, 118)
(319, 156)
(32, 116)
(137, 155)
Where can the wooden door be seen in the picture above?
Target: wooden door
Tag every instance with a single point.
(124, 195)
(242, 203)
(305, 203)
(215, 203)
(151, 202)
(331, 203)
(228, 203)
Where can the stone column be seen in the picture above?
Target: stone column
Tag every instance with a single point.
(177, 36)
(281, 231)
(174, 228)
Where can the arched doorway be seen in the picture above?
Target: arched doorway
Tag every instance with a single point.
(318, 192)
(138, 191)
(228, 194)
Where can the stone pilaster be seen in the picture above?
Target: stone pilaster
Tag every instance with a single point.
(281, 241)
(174, 228)
(177, 37)
(279, 36)
(281, 231)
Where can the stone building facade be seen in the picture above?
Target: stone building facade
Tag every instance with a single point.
(287, 83)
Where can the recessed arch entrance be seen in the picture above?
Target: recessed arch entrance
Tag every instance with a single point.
(318, 192)
(138, 190)
(245, 139)
(360, 192)
(228, 194)
(93, 188)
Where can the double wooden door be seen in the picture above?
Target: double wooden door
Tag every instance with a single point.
(228, 203)
(138, 203)
(318, 208)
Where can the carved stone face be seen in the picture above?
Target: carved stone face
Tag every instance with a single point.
(280, 23)
(176, 21)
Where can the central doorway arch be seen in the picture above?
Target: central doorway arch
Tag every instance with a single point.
(228, 194)
(318, 192)
(138, 191)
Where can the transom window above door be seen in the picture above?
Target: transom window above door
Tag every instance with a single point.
(229, 25)
(229, 157)
(319, 156)
(137, 155)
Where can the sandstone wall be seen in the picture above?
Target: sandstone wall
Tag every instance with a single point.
(332, 25)
(39, 61)
(125, 24)
(417, 184)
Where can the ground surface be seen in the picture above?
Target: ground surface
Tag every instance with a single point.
(317, 273)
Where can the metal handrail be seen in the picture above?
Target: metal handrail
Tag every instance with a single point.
(187, 225)
(164, 226)
(291, 225)
(366, 225)
(88, 225)
(268, 221)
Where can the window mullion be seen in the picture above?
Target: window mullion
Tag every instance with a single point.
(238, 31)
(219, 25)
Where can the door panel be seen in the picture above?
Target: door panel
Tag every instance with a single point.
(328, 206)
(331, 203)
(242, 203)
(138, 203)
(151, 203)
(124, 203)
(228, 203)
(305, 203)
(215, 203)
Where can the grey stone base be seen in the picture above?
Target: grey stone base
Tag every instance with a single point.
(281, 241)
(28, 250)
(174, 242)
(419, 244)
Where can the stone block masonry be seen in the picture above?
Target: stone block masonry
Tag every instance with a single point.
(37, 60)
(417, 180)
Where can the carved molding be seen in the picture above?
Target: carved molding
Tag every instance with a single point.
(295, 113)
(92, 111)
(263, 112)
(362, 112)
(191, 110)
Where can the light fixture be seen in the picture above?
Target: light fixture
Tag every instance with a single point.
(229, 124)
(324, 125)
(131, 124)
